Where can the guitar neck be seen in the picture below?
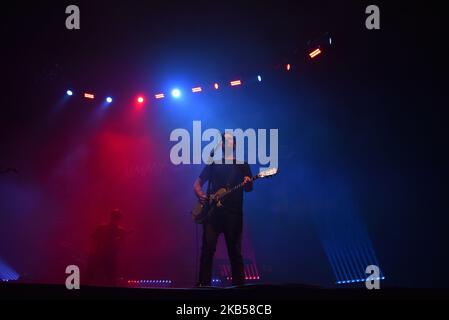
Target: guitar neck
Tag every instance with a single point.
(240, 185)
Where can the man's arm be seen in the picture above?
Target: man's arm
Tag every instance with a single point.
(197, 188)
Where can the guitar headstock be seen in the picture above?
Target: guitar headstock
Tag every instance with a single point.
(267, 173)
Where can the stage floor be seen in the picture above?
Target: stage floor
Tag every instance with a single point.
(259, 292)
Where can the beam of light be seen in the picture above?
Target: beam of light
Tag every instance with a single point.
(357, 251)
(349, 253)
(69, 92)
(159, 96)
(89, 95)
(342, 263)
(349, 256)
(197, 89)
(236, 83)
(259, 78)
(288, 67)
(314, 53)
(216, 86)
(355, 272)
(7, 273)
(108, 99)
(334, 264)
(176, 93)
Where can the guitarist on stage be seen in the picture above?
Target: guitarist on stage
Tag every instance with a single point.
(227, 219)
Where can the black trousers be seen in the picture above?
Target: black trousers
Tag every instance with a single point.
(231, 225)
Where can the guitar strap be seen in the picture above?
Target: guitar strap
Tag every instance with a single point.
(211, 176)
(231, 176)
(211, 173)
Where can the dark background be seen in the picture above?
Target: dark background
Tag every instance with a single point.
(362, 133)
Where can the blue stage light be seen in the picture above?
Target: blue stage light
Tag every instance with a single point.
(176, 93)
(108, 99)
(259, 78)
(69, 92)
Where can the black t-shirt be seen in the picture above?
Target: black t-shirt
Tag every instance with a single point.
(227, 176)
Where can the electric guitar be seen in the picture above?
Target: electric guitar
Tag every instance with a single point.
(201, 212)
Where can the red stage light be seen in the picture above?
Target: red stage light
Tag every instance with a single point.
(314, 53)
(89, 96)
(140, 99)
(288, 67)
(216, 86)
(159, 96)
(197, 89)
(236, 83)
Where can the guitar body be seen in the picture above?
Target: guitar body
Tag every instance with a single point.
(202, 212)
